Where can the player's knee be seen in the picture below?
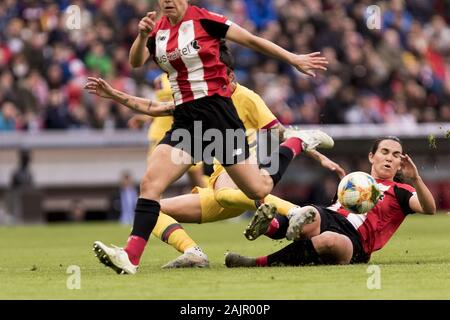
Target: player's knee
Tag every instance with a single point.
(327, 242)
(257, 194)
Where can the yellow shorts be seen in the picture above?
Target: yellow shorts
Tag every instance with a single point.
(211, 209)
(218, 170)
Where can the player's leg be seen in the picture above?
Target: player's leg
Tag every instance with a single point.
(257, 183)
(162, 170)
(185, 208)
(229, 196)
(266, 220)
(202, 208)
(170, 231)
(326, 248)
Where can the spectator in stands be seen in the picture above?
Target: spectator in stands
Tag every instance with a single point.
(8, 116)
(408, 59)
(123, 201)
(22, 176)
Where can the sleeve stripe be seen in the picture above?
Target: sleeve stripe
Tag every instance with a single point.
(271, 124)
(228, 22)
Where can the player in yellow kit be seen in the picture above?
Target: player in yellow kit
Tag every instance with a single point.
(221, 199)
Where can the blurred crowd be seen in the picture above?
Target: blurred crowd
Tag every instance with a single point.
(397, 73)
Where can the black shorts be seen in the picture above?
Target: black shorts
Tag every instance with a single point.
(209, 128)
(332, 221)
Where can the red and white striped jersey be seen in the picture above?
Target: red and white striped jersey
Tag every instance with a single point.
(189, 52)
(378, 225)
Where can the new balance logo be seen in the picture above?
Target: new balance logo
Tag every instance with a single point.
(237, 152)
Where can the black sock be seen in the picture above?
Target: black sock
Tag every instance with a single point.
(284, 156)
(298, 253)
(283, 224)
(146, 215)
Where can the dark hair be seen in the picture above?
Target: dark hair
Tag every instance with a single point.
(225, 55)
(377, 142)
(398, 176)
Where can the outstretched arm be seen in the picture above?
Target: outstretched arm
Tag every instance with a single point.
(423, 201)
(101, 88)
(327, 163)
(305, 63)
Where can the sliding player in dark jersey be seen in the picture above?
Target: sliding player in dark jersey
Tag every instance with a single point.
(333, 235)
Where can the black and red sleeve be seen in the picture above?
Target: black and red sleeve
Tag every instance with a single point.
(216, 25)
(403, 196)
(215, 29)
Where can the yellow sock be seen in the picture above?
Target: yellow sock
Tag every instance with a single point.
(234, 199)
(283, 206)
(170, 231)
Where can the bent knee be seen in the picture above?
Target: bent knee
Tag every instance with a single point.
(257, 194)
(327, 242)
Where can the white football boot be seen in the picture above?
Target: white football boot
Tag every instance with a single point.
(312, 139)
(114, 257)
(298, 218)
(260, 221)
(191, 258)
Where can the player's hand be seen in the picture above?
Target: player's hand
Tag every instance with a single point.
(308, 63)
(409, 169)
(147, 24)
(99, 87)
(333, 166)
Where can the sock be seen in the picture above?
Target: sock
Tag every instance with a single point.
(278, 227)
(170, 231)
(295, 144)
(283, 206)
(298, 253)
(234, 199)
(135, 247)
(261, 261)
(146, 215)
(284, 156)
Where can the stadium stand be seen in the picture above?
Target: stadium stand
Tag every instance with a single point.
(397, 76)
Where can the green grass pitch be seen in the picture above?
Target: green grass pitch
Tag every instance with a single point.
(34, 260)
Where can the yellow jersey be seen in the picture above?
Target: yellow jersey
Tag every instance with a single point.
(159, 127)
